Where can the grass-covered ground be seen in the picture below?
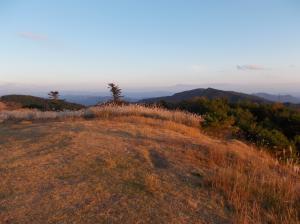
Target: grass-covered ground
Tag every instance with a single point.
(137, 168)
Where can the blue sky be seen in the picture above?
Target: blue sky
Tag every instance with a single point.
(85, 44)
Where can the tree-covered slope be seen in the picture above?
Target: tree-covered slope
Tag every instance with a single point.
(27, 101)
(208, 93)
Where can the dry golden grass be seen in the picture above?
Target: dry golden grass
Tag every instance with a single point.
(253, 186)
(106, 111)
(134, 167)
(2, 106)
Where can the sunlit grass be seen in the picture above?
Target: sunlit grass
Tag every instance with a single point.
(106, 111)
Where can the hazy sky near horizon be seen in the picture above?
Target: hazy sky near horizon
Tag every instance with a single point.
(149, 43)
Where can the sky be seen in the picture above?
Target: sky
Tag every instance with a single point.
(84, 44)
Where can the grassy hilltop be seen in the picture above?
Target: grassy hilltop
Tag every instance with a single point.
(133, 164)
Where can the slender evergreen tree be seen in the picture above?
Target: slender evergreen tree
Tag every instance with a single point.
(116, 92)
(53, 95)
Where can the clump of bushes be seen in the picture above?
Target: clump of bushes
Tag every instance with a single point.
(273, 126)
(33, 102)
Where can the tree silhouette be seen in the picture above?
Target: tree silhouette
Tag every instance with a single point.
(116, 92)
(53, 95)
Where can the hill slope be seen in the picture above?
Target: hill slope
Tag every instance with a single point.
(137, 169)
(209, 93)
(27, 101)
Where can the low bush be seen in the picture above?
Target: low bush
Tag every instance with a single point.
(274, 126)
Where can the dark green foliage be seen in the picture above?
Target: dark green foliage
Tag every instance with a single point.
(297, 143)
(54, 95)
(215, 111)
(33, 102)
(270, 138)
(209, 93)
(116, 92)
(274, 126)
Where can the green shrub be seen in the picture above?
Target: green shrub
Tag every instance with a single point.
(297, 143)
(271, 138)
(274, 126)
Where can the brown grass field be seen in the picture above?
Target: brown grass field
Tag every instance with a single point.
(137, 167)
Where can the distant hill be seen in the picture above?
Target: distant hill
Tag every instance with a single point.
(278, 98)
(209, 93)
(27, 101)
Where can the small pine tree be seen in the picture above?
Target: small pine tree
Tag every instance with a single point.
(53, 95)
(116, 92)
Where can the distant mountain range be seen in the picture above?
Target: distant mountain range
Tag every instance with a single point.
(278, 98)
(209, 93)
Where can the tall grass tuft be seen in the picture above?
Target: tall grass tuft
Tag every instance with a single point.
(256, 190)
